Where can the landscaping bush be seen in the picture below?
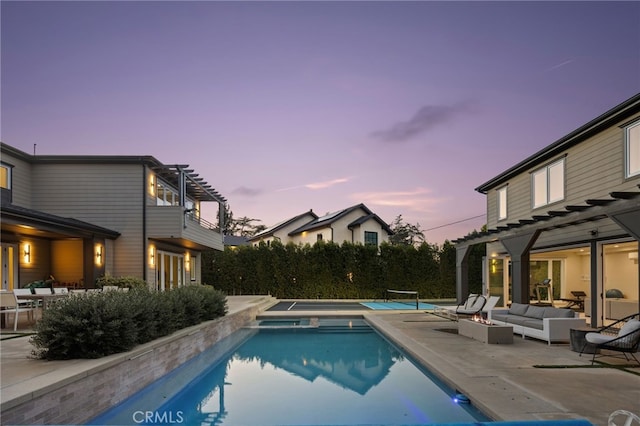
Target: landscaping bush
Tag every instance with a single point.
(92, 325)
(122, 282)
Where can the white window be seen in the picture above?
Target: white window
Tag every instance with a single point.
(632, 149)
(165, 195)
(548, 184)
(502, 203)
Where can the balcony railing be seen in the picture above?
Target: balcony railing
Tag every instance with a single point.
(202, 222)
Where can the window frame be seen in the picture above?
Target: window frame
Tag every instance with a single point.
(501, 202)
(367, 238)
(9, 171)
(166, 195)
(549, 189)
(629, 139)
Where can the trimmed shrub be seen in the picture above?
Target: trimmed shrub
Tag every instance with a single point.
(122, 282)
(88, 325)
(93, 325)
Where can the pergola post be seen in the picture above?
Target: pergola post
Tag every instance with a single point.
(519, 247)
(462, 273)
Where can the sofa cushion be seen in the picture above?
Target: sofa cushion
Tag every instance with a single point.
(535, 312)
(517, 320)
(499, 317)
(518, 309)
(550, 312)
(533, 323)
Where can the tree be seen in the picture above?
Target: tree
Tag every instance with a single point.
(406, 233)
(243, 226)
(227, 214)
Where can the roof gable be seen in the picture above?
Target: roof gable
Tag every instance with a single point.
(330, 218)
(269, 232)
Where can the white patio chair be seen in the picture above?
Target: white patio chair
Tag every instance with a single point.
(42, 290)
(9, 304)
(60, 290)
(24, 303)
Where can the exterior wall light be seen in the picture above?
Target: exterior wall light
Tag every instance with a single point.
(26, 253)
(152, 184)
(187, 262)
(98, 254)
(152, 255)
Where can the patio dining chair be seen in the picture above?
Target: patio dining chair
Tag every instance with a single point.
(9, 304)
(24, 303)
(622, 336)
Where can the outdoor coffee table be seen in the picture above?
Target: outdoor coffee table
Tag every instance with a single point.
(486, 333)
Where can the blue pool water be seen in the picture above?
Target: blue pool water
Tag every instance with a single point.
(338, 372)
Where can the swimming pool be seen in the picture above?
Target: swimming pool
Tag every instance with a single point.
(329, 372)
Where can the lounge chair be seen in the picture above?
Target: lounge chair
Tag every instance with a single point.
(474, 305)
(622, 336)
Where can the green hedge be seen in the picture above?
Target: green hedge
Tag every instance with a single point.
(330, 271)
(93, 325)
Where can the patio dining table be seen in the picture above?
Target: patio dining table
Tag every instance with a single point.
(46, 298)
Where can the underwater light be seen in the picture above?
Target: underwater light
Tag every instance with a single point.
(461, 399)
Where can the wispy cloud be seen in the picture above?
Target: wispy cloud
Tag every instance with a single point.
(249, 192)
(561, 64)
(425, 119)
(417, 199)
(317, 185)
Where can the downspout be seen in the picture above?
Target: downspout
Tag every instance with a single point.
(144, 223)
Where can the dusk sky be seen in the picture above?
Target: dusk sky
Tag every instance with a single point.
(289, 106)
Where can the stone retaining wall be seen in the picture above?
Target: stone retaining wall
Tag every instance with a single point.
(76, 400)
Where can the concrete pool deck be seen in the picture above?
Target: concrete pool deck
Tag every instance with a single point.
(501, 380)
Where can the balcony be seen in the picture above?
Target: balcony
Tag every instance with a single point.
(174, 225)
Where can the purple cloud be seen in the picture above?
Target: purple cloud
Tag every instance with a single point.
(248, 192)
(427, 117)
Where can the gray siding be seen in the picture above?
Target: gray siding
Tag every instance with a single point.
(20, 180)
(593, 169)
(108, 195)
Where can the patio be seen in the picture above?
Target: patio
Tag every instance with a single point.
(526, 380)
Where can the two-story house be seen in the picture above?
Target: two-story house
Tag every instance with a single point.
(569, 213)
(356, 224)
(79, 217)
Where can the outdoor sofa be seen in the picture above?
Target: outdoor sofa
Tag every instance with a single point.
(539, 322)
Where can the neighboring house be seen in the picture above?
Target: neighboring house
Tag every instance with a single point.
(356, 224)
(79, 217)
(280, 231)
(569, 213)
